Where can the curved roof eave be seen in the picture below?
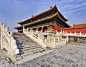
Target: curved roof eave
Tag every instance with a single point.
(40, 20)
(37, 21)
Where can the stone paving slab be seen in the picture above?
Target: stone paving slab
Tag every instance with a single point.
(65, 56)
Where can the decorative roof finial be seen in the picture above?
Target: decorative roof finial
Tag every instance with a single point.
(55, 5)
(50, 7)
(32, 16)
(73, 25)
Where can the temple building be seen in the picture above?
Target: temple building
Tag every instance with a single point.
(41, 21)
(76, 28)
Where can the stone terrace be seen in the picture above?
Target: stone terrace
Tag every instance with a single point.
(66, 56)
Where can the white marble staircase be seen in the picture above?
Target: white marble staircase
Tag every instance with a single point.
(26, 46)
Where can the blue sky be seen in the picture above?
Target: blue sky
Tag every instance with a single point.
(13, 11)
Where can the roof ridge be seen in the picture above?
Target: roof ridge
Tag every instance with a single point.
(40, 20)
(38, 14)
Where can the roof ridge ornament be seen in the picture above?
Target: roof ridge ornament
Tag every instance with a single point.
(55, 5)
(32, 16)
(50, 7)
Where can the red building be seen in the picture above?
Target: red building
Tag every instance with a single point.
(76, 28)
(43, 20)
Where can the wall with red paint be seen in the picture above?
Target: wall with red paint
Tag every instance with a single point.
(83, 30)
(18, 31)
(56, 28)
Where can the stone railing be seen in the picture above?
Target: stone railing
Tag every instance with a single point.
(59, 41)
(8, 42)
(74, 34)
(52, 40)
(34, 37)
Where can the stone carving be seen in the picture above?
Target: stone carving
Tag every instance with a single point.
(8, 42)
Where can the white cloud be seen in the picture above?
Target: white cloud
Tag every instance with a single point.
(74, 10)
(66, 1)
(75, 6)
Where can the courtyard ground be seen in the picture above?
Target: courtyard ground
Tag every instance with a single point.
(69, 55)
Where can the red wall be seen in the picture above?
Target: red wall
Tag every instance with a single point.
(56, 28)
(18, 31)
(83, 30)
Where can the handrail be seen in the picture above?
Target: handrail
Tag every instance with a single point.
(34, 37)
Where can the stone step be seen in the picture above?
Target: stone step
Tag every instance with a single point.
(19, 57)
(26, 46)
(21, 38)
(31, 50)
(29, 44)
(25, 40)
(29, 53)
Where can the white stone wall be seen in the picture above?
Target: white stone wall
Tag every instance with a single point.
(8, 42)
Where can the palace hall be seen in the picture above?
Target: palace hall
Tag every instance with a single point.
(41, 21)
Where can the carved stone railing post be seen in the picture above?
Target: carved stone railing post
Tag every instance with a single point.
(41, 31)
(7, 29)
(75, 33)
(32, 33)
(80, 33)
(27, 29)
(70, 32)
(37, 30)
(3, 26)
(11, 34)
(63, 32)
(66, 32)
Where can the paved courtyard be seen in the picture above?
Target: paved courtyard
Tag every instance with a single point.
(65, 56)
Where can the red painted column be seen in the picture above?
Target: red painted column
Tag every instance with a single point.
(55, 28)
(42, 28)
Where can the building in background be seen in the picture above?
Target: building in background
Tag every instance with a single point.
(79, 28)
